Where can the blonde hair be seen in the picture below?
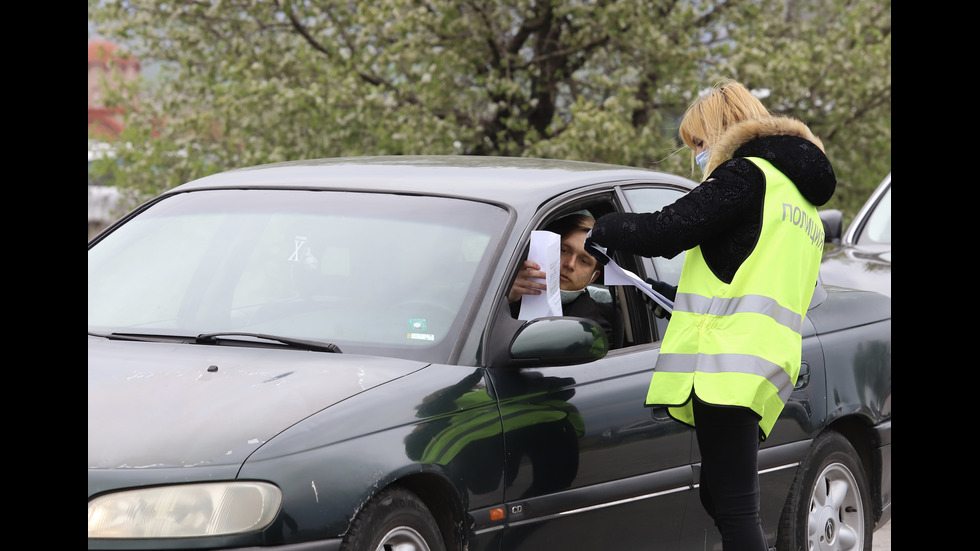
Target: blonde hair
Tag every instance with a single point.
(727, 103)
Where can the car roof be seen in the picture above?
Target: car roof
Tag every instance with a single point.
(496, 179)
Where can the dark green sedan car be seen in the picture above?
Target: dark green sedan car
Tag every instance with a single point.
(320, 355)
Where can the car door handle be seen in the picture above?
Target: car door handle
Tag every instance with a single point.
(804, 377)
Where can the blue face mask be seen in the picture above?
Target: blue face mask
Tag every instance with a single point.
(702, 159)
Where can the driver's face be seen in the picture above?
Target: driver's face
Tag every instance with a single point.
(578, 268)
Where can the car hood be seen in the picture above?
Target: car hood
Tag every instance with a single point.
(170, 405)
(867, 268)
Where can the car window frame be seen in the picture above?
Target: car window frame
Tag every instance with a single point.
(642, 327)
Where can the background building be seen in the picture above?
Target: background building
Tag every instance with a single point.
(105, 68)
(104, 63)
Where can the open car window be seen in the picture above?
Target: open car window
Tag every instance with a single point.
(633, 323)
(652, 199)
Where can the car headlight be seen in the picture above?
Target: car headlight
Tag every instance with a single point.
(189, 510)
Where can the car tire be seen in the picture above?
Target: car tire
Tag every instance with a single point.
(829, 503)
(395, 518)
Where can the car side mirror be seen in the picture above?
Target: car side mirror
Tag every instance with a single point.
(833, 225)
(558, 341)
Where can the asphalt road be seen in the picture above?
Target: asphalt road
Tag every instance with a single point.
(882, 539)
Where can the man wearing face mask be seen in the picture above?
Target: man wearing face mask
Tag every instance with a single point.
(579, 269)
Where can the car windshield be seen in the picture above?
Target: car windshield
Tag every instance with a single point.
(370, 272)
(878, 227)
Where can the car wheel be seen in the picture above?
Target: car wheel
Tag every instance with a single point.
(829, 503)
(394, 519)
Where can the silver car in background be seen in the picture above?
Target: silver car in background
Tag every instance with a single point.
(861, 256)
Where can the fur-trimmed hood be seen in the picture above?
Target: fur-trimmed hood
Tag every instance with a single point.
(785, 142)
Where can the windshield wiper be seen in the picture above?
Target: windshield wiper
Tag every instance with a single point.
(216, 338)
(142, 337)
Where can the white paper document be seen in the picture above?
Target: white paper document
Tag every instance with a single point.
(613, 274)
(546, 251)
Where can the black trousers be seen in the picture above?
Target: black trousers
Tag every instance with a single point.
(729, 441)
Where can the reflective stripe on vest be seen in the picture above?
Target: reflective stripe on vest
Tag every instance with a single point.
(741, 343)
(730, 306)
(721, 363)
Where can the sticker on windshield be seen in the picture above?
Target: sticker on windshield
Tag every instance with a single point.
(418, 324)
(298, 243)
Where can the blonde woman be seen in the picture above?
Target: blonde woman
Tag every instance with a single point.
(731, 353)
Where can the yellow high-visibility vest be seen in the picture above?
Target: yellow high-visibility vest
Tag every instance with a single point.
(740, 344)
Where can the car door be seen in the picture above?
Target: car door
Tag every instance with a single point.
(602, 471)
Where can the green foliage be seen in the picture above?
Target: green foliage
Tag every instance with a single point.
(247, 82)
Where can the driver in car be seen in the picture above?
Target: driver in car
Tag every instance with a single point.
(579, 269)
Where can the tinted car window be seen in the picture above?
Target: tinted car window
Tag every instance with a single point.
(387, 274)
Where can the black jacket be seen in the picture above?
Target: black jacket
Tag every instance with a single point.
(724, 213)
